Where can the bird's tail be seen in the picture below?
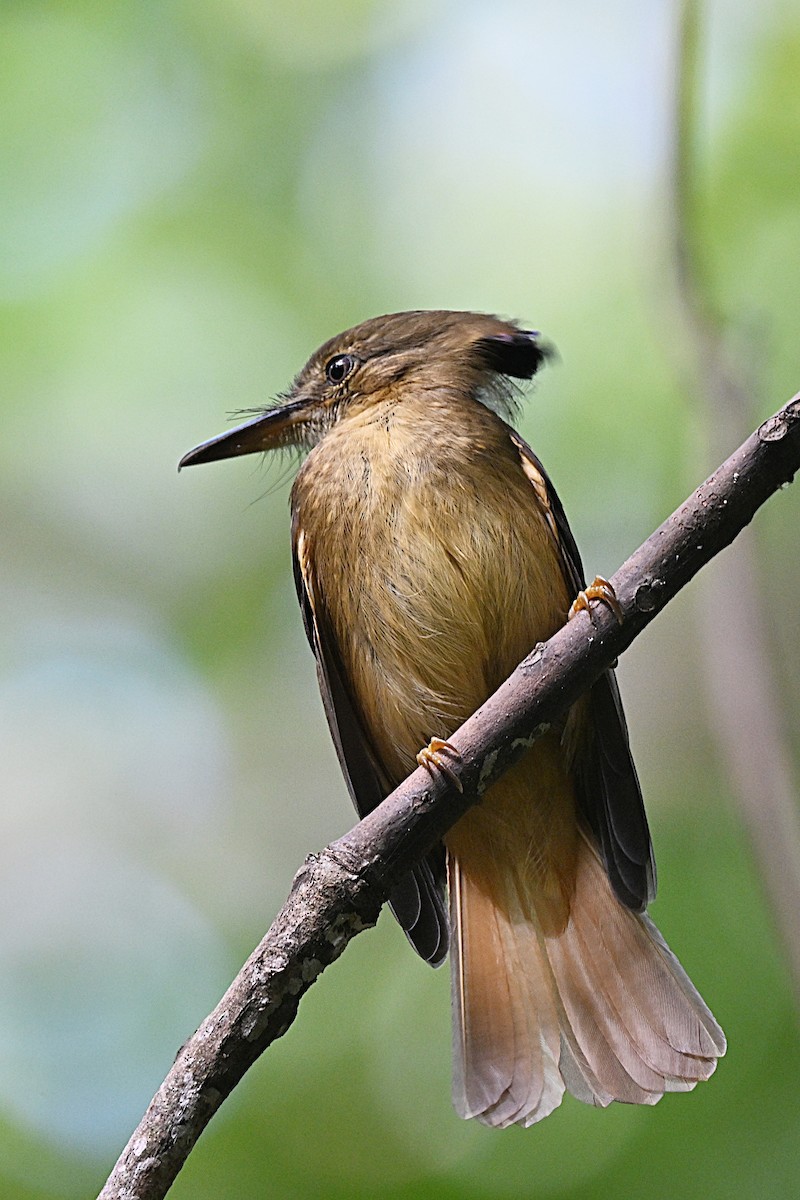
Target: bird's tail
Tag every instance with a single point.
(601, 1008)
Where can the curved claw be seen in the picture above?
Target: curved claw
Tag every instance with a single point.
(430, 758)
(602, 591)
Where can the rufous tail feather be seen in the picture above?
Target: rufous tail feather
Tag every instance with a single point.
(602, 1008)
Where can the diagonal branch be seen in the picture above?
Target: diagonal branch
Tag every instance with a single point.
(339, 892)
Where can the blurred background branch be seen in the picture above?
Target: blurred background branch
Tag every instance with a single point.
(746, 711)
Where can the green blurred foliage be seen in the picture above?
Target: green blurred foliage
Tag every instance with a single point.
(193, 196)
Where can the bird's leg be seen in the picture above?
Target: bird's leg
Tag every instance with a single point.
(430, 756)
(600, 590)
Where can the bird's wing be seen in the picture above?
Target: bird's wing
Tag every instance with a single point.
(417, 900)
(609, 794)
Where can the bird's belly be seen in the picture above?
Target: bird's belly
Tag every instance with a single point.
(466, 600)
(437, 583)
(452, 585)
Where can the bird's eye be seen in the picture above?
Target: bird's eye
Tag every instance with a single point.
(337, 369)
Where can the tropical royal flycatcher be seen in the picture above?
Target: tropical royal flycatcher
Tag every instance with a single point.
(431, 553)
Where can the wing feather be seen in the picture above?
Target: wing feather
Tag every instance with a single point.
(609, 794)
(418, 899)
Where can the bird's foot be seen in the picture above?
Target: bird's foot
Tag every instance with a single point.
(430, 757)
(600, 590)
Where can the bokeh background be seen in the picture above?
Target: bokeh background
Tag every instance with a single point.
(193, 195)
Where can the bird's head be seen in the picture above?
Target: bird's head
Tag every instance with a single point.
(460, 352)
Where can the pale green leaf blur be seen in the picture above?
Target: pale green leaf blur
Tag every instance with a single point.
(193, 195)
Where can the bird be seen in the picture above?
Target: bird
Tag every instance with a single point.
(431, 553)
